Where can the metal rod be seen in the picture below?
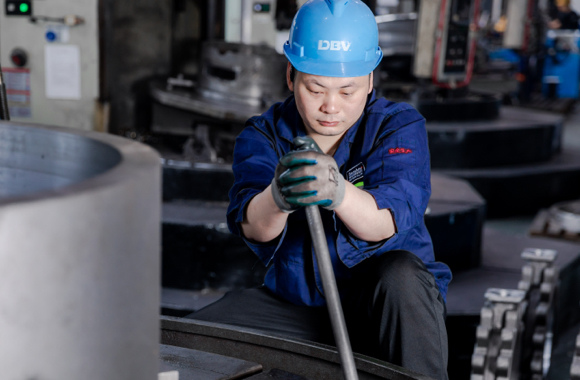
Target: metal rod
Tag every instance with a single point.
(211, 19)
(331, 292)
(392, 17)
(246, 22)
(4, 112)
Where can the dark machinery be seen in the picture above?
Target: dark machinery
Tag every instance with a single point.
(236, 82)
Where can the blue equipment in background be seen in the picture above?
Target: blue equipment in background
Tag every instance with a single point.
(561, 75)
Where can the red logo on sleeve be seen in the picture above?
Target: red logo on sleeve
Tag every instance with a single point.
(400, 150)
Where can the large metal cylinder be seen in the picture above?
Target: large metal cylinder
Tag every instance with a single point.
(79, 255)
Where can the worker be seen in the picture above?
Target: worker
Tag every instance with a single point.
(565, 17)
(372, 183)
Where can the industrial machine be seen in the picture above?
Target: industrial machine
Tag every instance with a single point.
(561, 71)
(50, 56)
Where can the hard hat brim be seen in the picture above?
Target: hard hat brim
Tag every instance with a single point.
(333, 69)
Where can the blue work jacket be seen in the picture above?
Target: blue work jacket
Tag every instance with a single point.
(385, 153)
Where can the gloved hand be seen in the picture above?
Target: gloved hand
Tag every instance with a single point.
(307, 176)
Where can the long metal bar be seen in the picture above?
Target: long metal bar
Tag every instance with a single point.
(331, 292)
(392, 17)
(246, 22)
(4, 112)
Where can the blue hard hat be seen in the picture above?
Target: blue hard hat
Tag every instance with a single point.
(334, 38)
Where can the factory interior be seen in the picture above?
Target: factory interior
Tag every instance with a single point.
(118, 123)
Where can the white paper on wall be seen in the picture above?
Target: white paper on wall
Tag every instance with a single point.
(62, 65)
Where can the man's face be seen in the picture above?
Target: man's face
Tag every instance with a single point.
(329, 106)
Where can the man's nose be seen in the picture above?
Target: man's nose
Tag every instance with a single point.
(330, 104)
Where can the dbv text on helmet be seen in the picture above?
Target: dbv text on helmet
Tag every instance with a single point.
(333, 45)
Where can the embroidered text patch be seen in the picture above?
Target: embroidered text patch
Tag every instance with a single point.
(356, 173)
(399, 150)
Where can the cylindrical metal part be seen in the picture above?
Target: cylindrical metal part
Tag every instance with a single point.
(79, 255)
(331, 293)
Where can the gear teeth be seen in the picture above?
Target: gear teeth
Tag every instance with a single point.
(575, 369)
(514, 338)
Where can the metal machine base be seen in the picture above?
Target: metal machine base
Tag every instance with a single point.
(305, 360)
(516, 137)
(523, 189)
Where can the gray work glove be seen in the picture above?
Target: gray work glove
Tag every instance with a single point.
(306, 177)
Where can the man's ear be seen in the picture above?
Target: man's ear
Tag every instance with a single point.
(371, 79)
(288, 80)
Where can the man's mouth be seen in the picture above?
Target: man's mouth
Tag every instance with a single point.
(328, 123)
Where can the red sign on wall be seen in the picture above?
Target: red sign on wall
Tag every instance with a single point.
(17, 81)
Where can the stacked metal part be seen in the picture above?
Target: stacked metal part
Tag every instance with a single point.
(575, 369)
(540, 282)
(499, 334)
(514, 338)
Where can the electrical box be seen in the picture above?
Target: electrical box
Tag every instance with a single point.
(445, 44)
(455, 46)
(49, 53)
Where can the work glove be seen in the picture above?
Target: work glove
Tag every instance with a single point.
(306, 177)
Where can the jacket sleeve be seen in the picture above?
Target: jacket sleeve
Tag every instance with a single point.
(397, 175)
(255, 160)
